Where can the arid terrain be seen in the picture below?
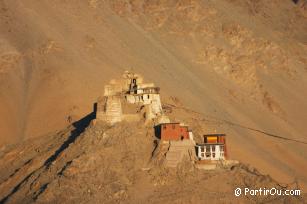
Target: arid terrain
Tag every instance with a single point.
(233, 66)
(95, 163)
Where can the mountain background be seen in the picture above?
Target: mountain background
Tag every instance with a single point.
(242, 63)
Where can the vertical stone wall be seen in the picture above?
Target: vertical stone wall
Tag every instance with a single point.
(110, 110)
(113, 109)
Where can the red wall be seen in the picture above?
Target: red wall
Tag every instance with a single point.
(173, 131)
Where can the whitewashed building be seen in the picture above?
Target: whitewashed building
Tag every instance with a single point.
(213, 148)
(131, 90)
(210, 151)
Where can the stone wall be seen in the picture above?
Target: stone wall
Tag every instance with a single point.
(110, 110)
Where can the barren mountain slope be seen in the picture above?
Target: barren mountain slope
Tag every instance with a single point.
(103, 165)
(237, 61)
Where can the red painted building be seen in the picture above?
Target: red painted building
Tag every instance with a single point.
(173, 131)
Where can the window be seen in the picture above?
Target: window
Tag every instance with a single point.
(221, 148)
(202, 155)
(202, 149)
(148, 96)
(213, 155)
(213, 148)
(208, 154)
(207, 148)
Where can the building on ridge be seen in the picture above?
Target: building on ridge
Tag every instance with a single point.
(130, 89)
(213, 148)
(173, 131)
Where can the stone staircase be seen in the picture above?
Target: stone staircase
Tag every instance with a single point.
(178, 150)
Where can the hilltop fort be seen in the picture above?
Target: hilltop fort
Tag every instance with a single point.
(125, 97)
(130, 99)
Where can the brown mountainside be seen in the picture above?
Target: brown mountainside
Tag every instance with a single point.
(240, 63)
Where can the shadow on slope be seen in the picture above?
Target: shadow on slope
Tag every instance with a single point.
(79, 128)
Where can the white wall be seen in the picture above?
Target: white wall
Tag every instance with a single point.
(217, 153)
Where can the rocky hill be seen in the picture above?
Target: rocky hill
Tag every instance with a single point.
(242, 65)
(90, 162)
